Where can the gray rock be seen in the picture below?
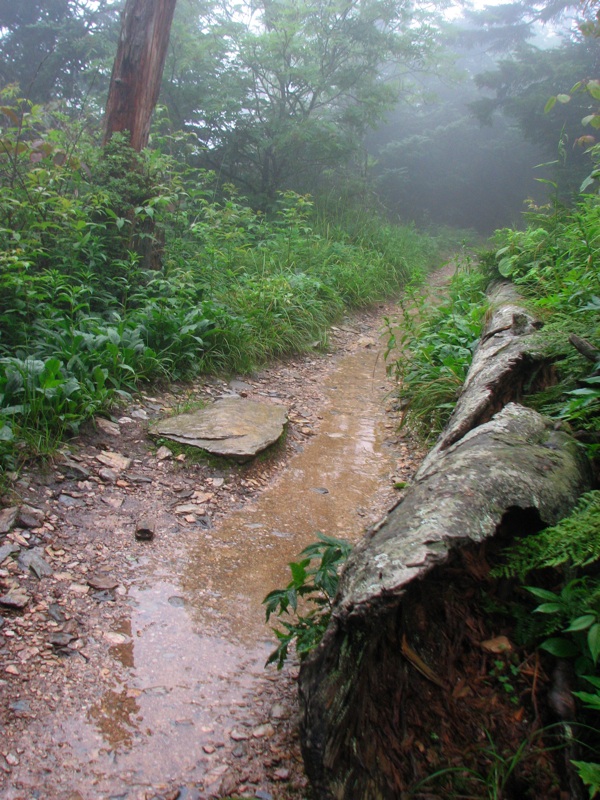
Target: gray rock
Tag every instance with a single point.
(34, 561)
(16, 598)
(107, 427)
(8, 517)
(56, 612)
(107, 475)
(70, 502)
(7, 550)
(30, 517)
(231, 427)
(73, 470)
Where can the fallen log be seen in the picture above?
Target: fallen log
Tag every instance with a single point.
(394, 651)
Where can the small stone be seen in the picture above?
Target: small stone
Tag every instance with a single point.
(73, 470)
(239, 736)
(104, 596)
(15, 598)
(12, 670)
(79, 588)
(107, 427)
(113, 460)
(70, 502)
(56, 612)
(20, 707)
(30, 517)
(281, 774)
(500, 644)
(7, 550)
(113, 502)
(218, 482)
(366, 341)
(31, 560)
(114, 638)
(107, 475)
(203, 497)
(209, 749)
(228, 784)
(320, 490)
(61, 639)
(12, 760)
(145, 529)
(279, 712)
(139, 413)
(102, 582)
(163, 453)
(186, 508)
(263, 731)
(8, 518)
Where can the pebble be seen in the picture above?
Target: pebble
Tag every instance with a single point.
(279, 712)
(163, 453)
(107, 427)
(15, 598)
(281, 774)
(239, 736)
(8, 517)
(108, 475)
(12, 760)
(263, 731)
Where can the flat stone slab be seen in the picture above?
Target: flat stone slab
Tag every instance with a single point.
(231, 427)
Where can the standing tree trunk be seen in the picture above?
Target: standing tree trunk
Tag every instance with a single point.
(138, 68)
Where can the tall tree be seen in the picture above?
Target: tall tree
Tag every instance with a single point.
(138, 68)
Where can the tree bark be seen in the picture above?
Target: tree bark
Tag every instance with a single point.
(138, 68)
(390, 660)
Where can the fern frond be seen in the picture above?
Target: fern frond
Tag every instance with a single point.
(574, 541)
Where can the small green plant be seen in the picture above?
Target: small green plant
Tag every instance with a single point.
(506, 673)
(311, 585)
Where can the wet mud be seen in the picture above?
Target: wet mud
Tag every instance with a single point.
(166, 692)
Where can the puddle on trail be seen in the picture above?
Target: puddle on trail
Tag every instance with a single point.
(196, 642)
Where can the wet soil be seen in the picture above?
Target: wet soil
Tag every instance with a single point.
(135, 669)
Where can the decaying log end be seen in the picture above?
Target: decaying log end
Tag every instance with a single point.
(393, 648)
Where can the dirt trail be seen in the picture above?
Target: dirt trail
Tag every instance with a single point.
(135, 670)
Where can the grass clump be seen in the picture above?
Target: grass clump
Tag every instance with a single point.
(430, 348)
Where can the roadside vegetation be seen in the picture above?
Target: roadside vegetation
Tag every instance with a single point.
(555, 605)
(84, 320)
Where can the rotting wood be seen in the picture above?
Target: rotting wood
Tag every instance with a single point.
(497, 468)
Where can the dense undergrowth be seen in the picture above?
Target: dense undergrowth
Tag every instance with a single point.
(87, 310)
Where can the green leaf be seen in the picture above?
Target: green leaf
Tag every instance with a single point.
(581, 623)
(561, 648)
(549, 608)
(543, 594)
(563, 98)
(550, 103)
(589, 772)
(590, 700)
(594, 641)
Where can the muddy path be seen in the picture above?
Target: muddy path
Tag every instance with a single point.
(135, 669)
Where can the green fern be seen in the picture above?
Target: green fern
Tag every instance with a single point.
(574, 542)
